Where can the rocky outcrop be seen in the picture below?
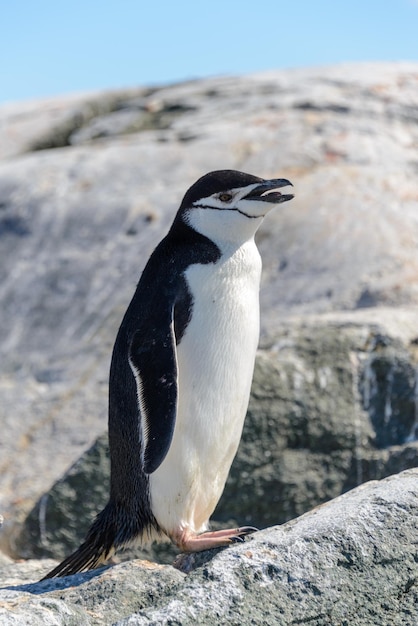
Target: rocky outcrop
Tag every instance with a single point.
(353, 560)
(78, 220)
(88, 186)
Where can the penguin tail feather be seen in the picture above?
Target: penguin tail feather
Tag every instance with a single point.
(83, 559)
(100, 544)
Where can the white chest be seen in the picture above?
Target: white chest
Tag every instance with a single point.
(225, 311)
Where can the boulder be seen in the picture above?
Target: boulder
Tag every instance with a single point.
(353, 560)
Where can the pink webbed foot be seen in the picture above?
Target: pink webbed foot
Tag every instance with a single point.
(187, 541)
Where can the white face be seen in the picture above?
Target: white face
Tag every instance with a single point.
(228, 216)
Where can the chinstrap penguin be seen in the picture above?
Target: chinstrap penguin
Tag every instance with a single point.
(181, 373)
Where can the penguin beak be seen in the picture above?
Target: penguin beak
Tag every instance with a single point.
(267, 191)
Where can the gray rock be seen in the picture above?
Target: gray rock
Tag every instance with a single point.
(332, 405)
(52, 122)
(351, 561)
(79, 219)
(98, 597)
(316, 424)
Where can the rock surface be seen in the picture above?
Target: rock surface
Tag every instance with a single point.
(88, 186)
(351, 561)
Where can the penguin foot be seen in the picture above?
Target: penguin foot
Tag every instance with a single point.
(188, 541)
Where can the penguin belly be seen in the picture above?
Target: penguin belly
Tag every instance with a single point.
(215, 367)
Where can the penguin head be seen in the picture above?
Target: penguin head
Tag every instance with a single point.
(230, 205)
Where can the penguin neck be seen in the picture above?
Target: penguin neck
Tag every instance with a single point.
(228, 230)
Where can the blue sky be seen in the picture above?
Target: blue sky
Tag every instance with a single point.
(51, 48)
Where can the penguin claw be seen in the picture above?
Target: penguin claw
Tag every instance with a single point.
(242, 532)
(246, 530)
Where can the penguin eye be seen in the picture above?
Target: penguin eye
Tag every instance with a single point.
(225, 197)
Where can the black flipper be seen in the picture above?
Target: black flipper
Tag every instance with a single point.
(153, 360)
